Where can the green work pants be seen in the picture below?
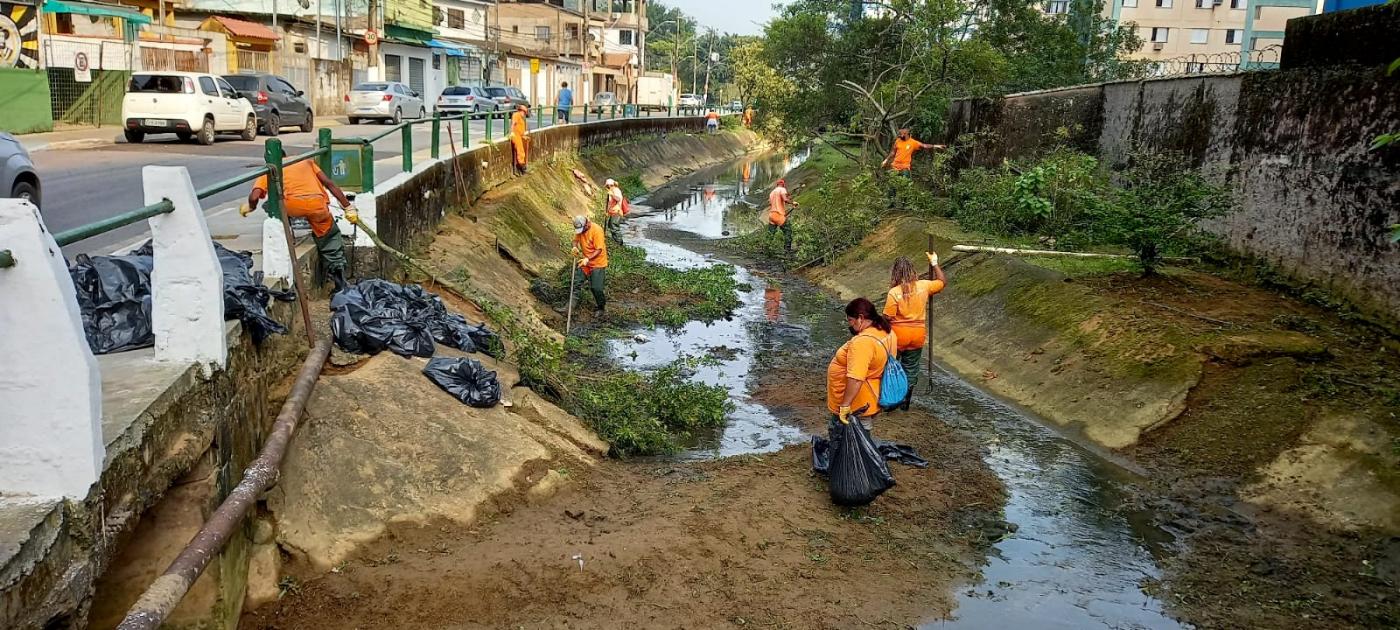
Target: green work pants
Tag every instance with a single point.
(787, 233)
(331, 247)
(595, 280)
(613, 225)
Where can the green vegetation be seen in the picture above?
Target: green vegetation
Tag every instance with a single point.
(670, 296)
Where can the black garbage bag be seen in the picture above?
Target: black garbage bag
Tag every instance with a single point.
(855, 468)
(466, 379)
(902, 453)
(245, 297)
(114, 300)
(374, 314)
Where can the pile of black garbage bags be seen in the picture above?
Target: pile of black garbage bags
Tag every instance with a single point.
(375, 315)
(854, 462)
(114, 297)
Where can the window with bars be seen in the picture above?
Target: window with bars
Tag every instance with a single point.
(456, 18)
(1057, 7)
(626, 37)
(542, 33)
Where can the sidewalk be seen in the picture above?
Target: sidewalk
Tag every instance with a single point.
(87, 137)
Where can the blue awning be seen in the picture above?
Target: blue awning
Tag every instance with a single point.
(95, 9)
(452, 51)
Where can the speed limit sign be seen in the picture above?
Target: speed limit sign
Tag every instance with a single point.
(371, 37)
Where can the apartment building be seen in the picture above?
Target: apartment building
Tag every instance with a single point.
(605, 37)
(1212, 30)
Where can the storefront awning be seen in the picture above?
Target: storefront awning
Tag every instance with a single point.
(405, 35)
(449, 49)
(95, 9)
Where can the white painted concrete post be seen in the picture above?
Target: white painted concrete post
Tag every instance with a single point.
(276, 260)
(187, 284)
(50, 388)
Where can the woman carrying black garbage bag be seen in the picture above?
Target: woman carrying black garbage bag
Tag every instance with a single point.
(853, 376)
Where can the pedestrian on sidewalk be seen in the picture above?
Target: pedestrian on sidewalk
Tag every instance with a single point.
(565, 102)
(519, 142)
(853, 376)
(712, 121)
(906, 306)
(616, 210)
(592, 263)
(304, 187)
(901, 157)
(778, 202)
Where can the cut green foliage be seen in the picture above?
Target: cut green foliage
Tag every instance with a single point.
(643, 413)
(673, 296)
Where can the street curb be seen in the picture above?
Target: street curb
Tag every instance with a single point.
(69, 145)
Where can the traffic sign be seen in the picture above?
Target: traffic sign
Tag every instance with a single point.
(371, 37)
(82, 69)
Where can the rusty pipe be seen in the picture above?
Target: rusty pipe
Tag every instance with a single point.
(161, 597)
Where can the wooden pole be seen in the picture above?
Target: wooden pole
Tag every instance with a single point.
(928, 324)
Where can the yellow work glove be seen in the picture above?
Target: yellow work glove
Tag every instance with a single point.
(932, 258)
(352, 215)
(843, 413)
(583, 262)
(245, 209)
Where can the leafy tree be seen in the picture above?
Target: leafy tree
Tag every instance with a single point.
(757, 83)
(1159, 205)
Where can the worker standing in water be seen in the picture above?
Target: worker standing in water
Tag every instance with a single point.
(854, 374)
(617, 208)
(519, 127)
(901, 157)
(778, 202)
(304, 187)
(592, 264)
(906, 306)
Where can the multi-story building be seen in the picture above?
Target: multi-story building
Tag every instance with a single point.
(1212, 32)
(609, 55)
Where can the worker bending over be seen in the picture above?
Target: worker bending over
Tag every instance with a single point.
(592, 252)
(778, 202)
(906, 306)
(901, 157)
(519, 127)
(304, 187)
(617, 208)
(854, 374)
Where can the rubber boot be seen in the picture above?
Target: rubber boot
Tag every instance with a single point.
(338, 280)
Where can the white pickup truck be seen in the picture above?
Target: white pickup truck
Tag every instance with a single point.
(187, 104)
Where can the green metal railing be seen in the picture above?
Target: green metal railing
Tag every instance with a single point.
(276, 160)
(7, 259)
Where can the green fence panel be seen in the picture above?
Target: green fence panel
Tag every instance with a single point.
(25, 100)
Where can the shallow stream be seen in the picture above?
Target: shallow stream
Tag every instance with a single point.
(1080, 555)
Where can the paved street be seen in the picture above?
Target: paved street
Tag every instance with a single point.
(84, 185)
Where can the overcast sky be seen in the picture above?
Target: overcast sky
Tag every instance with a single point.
(743, 17)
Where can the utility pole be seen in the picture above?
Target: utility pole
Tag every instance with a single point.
(694, 55)
(709, 60)
(370, 21)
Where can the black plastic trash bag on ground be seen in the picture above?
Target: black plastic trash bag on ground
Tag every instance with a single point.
(374, 314)
(855, 468)
(902, 453)
(114, 299)
(466, 379)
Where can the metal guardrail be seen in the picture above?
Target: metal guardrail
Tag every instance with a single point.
(276, 160)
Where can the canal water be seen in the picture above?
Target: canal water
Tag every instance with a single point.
(1079, 556)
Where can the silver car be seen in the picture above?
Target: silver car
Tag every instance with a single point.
(18, 179)
(387, 101)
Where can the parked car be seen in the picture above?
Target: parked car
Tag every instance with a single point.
(736, 106)
(603, 101)
(187, 104)
(507, 97)
(469, 99)
(276, 102)
(18, 179)
(386, 101)
(689, 100)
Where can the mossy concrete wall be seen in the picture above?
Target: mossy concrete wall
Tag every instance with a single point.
(1314, 201)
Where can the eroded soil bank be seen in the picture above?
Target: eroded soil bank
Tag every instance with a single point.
(674, 542)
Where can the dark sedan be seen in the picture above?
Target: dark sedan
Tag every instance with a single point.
(278, 104)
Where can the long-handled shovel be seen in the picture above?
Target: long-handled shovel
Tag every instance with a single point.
(569, 318)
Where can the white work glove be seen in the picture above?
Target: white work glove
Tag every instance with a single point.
(932, 258)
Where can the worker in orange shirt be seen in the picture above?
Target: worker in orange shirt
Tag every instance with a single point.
(592, 263)
(748, 117)
(304, 187)
(901, 157)
(778, 202)
(616, 210)
(906, 306)
(712, 121)
(854, 374)
(519, 141)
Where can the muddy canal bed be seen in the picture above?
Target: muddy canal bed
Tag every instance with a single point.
(1080, 556)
